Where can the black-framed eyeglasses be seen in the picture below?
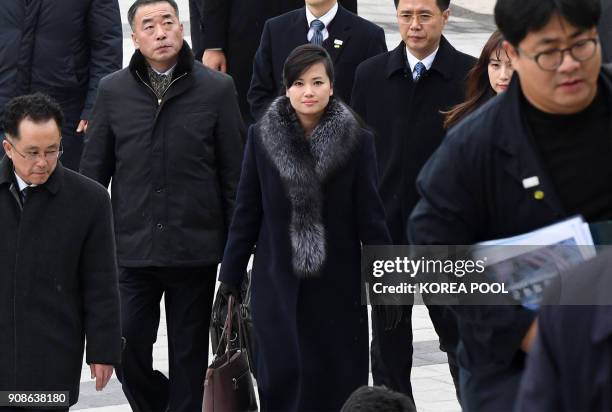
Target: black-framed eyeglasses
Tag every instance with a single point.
(49, 155)
(550, 60)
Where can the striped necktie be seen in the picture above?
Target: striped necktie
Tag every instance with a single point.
(419, 70)
(317, 37)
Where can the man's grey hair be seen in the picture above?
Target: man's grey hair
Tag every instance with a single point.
(139, 3)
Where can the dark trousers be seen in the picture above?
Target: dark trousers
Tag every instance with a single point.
(72, 141)
(188, 294)
(392, 350)
(490, 391)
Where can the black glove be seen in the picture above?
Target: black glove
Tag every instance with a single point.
(226, 290)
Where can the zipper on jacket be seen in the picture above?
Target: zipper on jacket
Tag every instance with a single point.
(150, 88)
(167, 88)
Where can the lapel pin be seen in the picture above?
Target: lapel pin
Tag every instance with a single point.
(338, 43)
(538, 195)
(530, 182)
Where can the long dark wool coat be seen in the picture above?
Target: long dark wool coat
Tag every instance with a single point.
(307, 205)
(58, 282)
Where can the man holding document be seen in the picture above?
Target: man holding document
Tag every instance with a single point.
(532, 157)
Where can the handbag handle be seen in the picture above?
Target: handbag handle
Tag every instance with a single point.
(227, 328)
(230, 315)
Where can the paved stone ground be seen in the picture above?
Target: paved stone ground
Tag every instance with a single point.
(468, 29)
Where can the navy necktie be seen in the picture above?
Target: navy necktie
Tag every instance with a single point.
(317, 37)
(24, 194)
(419, 70)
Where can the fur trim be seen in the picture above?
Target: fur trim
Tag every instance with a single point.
(304, 165)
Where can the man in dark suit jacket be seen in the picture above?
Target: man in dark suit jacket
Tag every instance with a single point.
(167, 131)
(400, 94)
(58, 283)
(349, 39)
(231, 34)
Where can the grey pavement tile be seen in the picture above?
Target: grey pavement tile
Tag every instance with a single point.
(89, 398)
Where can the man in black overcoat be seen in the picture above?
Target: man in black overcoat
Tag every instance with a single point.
(349, 40)
(400, 95)
(232, 33)
(58, 275)
(167, 131)
(535, 155)
(61, 48)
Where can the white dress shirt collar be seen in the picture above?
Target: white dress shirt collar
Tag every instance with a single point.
(427, 61)
(21, 183)
(326, 19)
(166, 73)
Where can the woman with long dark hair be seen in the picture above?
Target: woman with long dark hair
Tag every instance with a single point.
(308, 200)
(490, 76)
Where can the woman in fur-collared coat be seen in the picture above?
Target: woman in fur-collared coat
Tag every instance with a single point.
(308, 199)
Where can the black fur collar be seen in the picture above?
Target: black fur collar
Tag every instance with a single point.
(304, 166)
(184, 64)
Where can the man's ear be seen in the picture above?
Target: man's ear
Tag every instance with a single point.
(510, 50)
(134, 40)
(7, 148)
(446, 15)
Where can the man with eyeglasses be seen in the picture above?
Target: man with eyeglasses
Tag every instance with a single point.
(58, 273)
(400, 95)
(533, 156)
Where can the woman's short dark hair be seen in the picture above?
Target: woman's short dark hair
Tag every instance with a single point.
(37, 107)
(517, 18)
(301, 59)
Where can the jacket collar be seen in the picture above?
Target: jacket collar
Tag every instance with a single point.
(513, 139)
(53, 184)
(184, 64)
(443, 63)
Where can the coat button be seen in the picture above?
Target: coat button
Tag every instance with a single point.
(160, 226)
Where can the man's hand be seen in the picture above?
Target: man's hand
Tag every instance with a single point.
(527, 341)
(102, 373)
(215, 59)
(82, 127)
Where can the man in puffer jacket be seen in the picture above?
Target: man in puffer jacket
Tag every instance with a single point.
(61, 48)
